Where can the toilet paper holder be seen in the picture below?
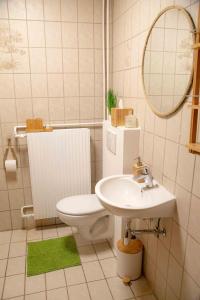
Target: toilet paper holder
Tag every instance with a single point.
(9, 147)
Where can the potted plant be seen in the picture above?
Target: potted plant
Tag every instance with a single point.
(111, 100)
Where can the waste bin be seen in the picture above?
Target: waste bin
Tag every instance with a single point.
(129, 259)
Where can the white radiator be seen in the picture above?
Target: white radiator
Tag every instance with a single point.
(59, 167)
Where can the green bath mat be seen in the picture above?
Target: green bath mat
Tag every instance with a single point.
(51, 255)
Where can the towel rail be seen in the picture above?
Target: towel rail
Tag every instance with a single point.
(20, 130)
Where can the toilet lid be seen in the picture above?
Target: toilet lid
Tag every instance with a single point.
(80, 205)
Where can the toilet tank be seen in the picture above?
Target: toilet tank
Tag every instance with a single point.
(120, 149)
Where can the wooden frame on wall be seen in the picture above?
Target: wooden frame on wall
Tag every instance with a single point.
(193, 146)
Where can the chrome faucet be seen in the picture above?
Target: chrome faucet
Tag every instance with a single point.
(147, 176)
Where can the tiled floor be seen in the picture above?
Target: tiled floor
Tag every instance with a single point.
(95, 279)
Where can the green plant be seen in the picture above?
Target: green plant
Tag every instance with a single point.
(111, 100)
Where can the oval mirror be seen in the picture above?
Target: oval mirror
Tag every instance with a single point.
(167, 65)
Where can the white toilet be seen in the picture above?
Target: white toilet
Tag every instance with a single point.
(120, 147)
(88, 215)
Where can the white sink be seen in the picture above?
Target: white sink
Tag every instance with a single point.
(123, 196)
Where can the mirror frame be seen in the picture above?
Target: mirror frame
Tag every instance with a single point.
(188, 88)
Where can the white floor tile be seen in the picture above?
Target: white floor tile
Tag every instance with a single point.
(99, 290)
(5, 237)
(16, 265)
(17, 249)
(55, 279)
(35, 284)
(1, 287)
(64, 230)
(78, 292)
(57, 294)
(4, 251)
(118, 289)
(18, 235)
(147, 297)
(141, 287)
(34, 235)
(74, 275)
(3, 265)
(87, 253)
(49, 233)
(37, 296)
(93, 271)
(103, 250)
(14, 286)
(109, 266)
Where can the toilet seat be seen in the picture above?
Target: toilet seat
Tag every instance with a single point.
(80, 205)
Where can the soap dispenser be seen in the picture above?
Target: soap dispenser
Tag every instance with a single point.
(138, 169)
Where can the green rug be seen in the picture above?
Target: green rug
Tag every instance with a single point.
(51, 255)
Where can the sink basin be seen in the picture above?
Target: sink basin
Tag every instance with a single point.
(123, 196)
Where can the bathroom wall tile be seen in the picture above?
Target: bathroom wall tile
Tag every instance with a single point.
(8, 110)
(3, 9)
(55, 85)
(173, 127)
(71, 85)
(196, 185)
(69, 35)
(170, 162)
(186, 162)
(69, 10)
(86, 60)
(71, 108)
(74, 275)
(158, 153)
(86, 85)
(36, 35)
(41, 108)
(182, 206)
(1, 286)
(178, 243)
(53, 34)
(192, 264)
(162, 259)
(21, 61)
(34, 9)
(85, 15)
(148, 148)
(39, 85)
(6, 86)
(86, 108)
(37, 60)
(54, 60)
(70, 60)
(99, 289)
(4, 251)
(24, 109)
(22, 80)
(60, 294)
(190, 289)
(56, 109)
(97, 36)
(78, 292)
(19, 28)
(17, 9)
(175, 276)
(160, 286)
(85, 35)
(52, 10)
(16, 198)
(5, 221)
(97, 11)
(4, 204)
(194, 218)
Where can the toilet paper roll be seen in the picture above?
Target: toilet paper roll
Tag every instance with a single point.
(10, 165)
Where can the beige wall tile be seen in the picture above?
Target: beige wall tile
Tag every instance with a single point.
(52, 10)
(85, 35)
(189, 288)
(175, 276)
(71, 108)
(170, 161)
(17, 9)
(22, 80)
(8, 110)
(5, 221)
(71, 87)
(37, 60)
(86, 84)
(56, 109)
(16, 198)
(41, 108)
(178, 243)
(19, 28)
(3, 9)
(39, 85)
(182, 206)
(36, 33)
(69, 35)
(70, 60)
(55, 85)
(86, 60)
(54, 60)
(24, 109)
(4, 203)
(6, 86)
(53, 34)
(85, 15)
(34, 9)
(69, 10)
(196, 185)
